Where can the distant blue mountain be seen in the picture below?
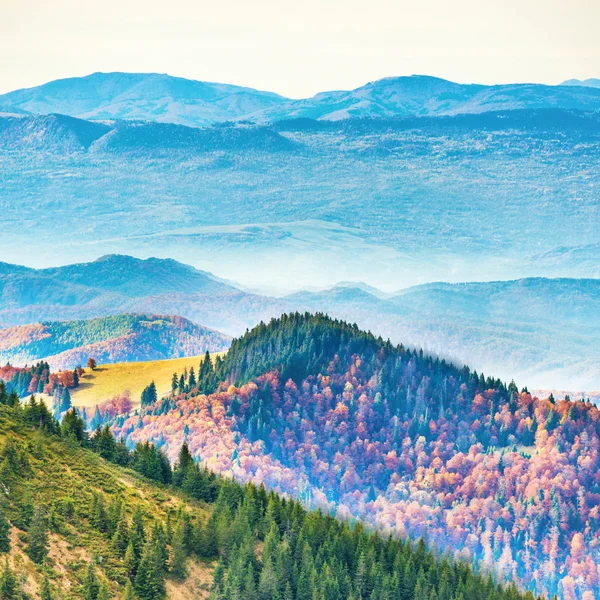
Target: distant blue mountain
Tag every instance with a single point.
(595, 83)
(151, 96)
(159, 97)
(62, 134)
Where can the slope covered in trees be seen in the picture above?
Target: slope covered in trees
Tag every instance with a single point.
(121, 338)
(343, 420)
(83, 518)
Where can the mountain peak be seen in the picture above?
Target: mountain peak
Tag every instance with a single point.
(594, 83)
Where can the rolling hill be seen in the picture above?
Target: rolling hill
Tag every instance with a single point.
(160, 97)
(414, 445)
(122, 338)
(60, 134)
(108, 381)
(541, 331)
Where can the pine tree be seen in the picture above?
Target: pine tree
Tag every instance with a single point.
(137, 535)
(179, 554)
(45, 590)
(103, 593)
(65, 401)
(4, 530)
(130, 561)
(192, 379)
(72, 426)
(98, 516)
(91, 587)
(120, 539)
(149, 581)
(37, 537)
(8, 584)
(129, 593)
(184, 462)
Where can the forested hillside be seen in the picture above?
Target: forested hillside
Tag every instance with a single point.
(346, 421)
(83, 518)
(121, 338)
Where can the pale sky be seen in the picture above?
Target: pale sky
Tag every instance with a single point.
(302, 47)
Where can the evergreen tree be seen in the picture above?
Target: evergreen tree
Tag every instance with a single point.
(129, 593)
(149, 581)
(4, 531)
(103, 592)
(65, 402)
(130, 561)
(9, 587)
(46, 590)
(137, 536)
(37, 537)
(98, 515)
(179, 553)
(149, 395)
(192, 379)
(72, 427)
(104, 443)
(120, 538)
(184, 462)
(91, 587)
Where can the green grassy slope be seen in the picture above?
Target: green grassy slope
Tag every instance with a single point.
(52, 474)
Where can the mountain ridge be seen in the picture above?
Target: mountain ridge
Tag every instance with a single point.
(540, 330)
(161, 97)
(124, 284)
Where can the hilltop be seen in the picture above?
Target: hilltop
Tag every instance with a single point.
(108, 381)
(122, 338)
(413, 444)
(152, 96)
(537, 330)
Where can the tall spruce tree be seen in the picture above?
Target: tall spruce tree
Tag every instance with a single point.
(4, 530)
(91, 586)
(9, 586)
(178, 553)
(37, 537)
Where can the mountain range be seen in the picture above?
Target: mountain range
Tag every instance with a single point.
(122, 284)
(419, 197)
(121, 338)
(543, 332)
(160, 97)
